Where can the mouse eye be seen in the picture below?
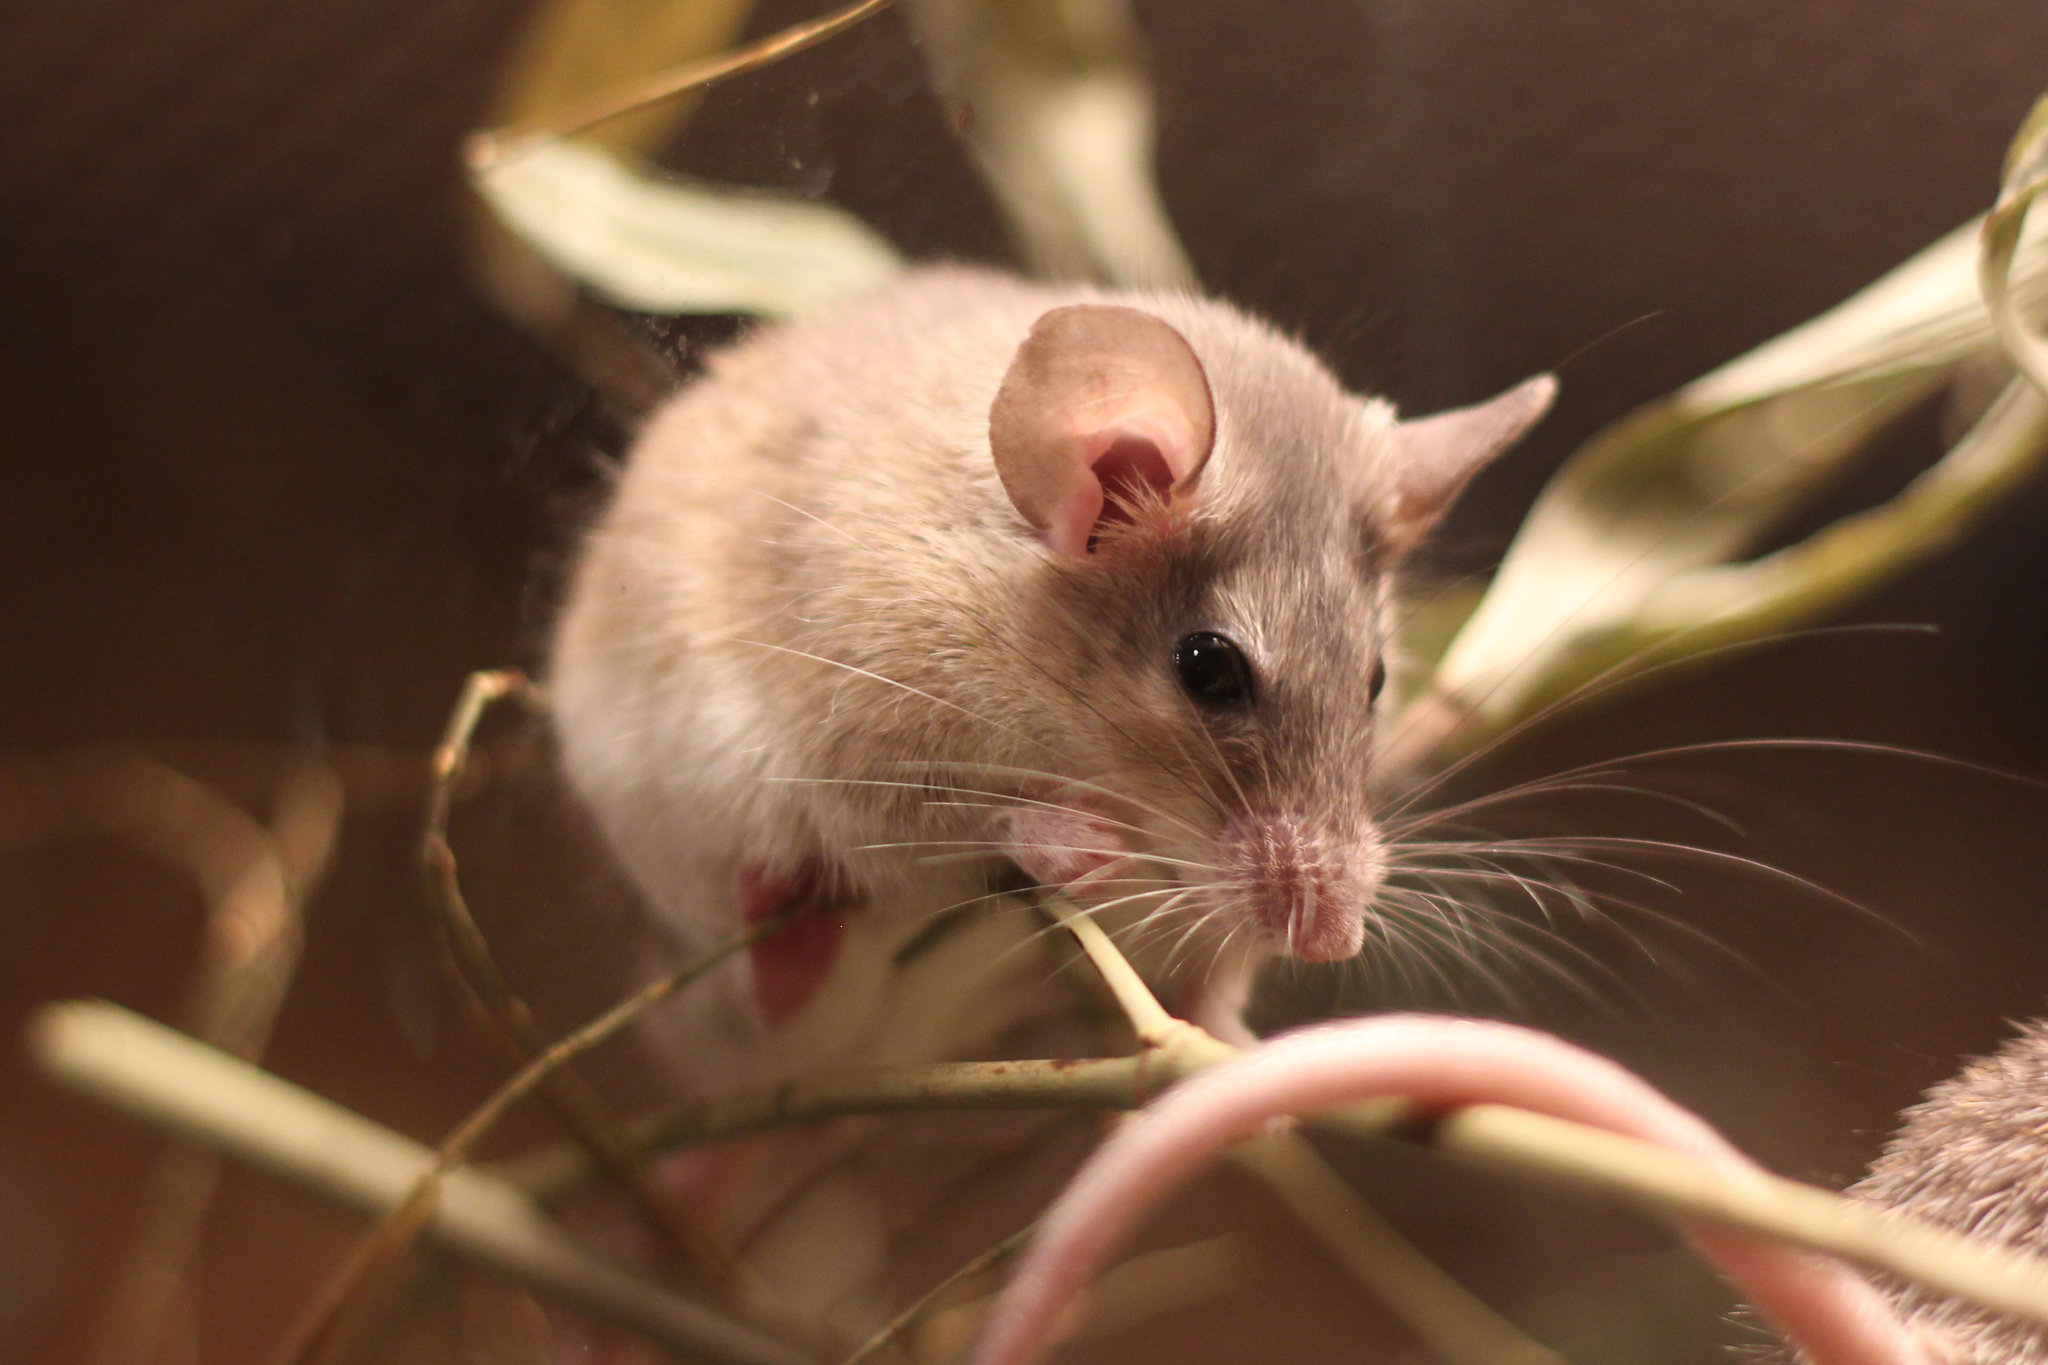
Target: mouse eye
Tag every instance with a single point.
(1213, 670)
(1379, 681)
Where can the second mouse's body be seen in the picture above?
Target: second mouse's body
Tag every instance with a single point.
(1973, 1156)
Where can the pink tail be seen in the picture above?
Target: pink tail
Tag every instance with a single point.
(1827, 1309)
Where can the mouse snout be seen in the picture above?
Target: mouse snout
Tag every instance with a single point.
(1304, 890)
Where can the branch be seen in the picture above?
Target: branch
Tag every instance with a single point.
(1149, 1019)
(330, 1319)
(475, 967)
(548, 1173)
(1429, 1302)
(1668, 1183)
(255, 882)
(158, 1075)
(489, 150)
(152, 1073)
(1442, 1066)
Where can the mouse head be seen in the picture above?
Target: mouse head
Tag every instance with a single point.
(1219, 523)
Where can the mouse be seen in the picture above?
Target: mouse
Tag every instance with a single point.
(1972, 1156)
(976, 585)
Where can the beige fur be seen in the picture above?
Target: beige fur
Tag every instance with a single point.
(812, 624)
(1973, 1156)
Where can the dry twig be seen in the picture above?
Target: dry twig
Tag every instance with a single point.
(927, 1303)
(329, 1321)
(255, 882)
(494, 148)
(155, 1074)
(506, 1016)
(160, 1076)
(1429, 1302)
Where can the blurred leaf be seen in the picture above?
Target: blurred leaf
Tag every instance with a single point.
(1053, 100)
(1050, 95)
(2003, 450)
(671, 246)
(2024, 177)
(568, 52)
(1623, 561)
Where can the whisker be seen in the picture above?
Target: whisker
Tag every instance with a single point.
(1412, 941)
(1505, 943)
(1004, 770)
(1553, 786)
(998, 800)
(873, 676)
(1598, 906)
(985, 846)
(1669, 848)
(1513, 848)
(1794, 743)
(1222, 945)
(1031, 661)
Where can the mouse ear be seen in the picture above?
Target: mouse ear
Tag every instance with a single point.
(1102, 408)
(1439, 454)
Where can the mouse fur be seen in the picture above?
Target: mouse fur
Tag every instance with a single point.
(1973, 1157)
(842, 647)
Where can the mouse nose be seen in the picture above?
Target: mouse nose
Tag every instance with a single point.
(1303, 888)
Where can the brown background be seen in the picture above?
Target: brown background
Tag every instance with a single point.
(272, 473)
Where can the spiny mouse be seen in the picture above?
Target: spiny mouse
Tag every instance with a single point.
(978, 583)
(1973, 1156)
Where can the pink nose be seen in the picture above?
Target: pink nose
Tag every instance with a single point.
(1303, 891)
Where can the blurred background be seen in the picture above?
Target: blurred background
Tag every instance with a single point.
(276, 477)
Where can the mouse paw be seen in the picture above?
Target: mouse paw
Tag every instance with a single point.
(792, 963)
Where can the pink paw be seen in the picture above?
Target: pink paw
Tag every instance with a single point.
(792, 963)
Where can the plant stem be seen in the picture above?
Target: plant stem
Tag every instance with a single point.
(506, 1015)
(1111, 1083)
(937, 1294)
(329, 1320)
(1676, 1186)
(160, 1076)
(1149, 1019)
(1434, 1306)
(494, 148)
